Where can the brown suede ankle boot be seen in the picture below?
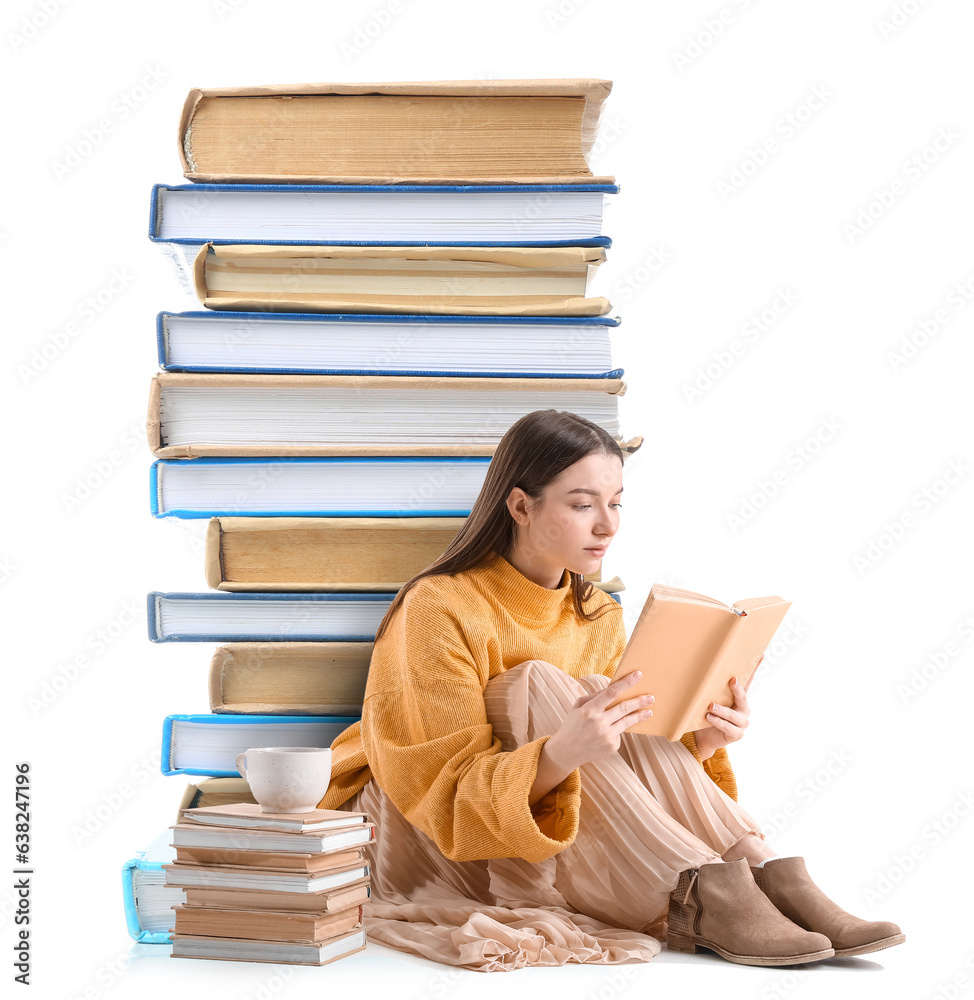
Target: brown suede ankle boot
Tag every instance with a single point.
(719, 906)
(786, 883)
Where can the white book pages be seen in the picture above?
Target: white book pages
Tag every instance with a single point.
(390, 486)
(283, 620)
(269, 342)
(272, 417)
(382, 216)
(213, 746)
(268, 951)
(242, 878)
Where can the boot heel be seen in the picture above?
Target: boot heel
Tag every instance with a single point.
(680, 942)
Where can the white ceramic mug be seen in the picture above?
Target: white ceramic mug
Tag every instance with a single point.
(286, 779)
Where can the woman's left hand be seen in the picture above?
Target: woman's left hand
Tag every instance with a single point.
(727, 725)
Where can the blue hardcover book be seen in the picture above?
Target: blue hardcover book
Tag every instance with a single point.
(146, 898)
(208, 744)
(380, 214)
(217, 616)
(387, 344)
(328, 486)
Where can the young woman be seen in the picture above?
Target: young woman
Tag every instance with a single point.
(517, 822)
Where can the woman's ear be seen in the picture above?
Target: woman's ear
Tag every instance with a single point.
(517, 501)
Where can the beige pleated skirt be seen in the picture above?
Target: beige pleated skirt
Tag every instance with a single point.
(647, 813)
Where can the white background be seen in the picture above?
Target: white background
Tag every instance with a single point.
(869, 783)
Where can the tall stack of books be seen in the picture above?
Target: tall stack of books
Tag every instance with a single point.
(392, 275)
(270, 887)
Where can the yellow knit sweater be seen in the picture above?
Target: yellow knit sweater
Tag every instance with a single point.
(424, 735)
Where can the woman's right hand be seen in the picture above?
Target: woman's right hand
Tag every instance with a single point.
(591, 730)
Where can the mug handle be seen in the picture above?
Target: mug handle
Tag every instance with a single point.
(241, 763)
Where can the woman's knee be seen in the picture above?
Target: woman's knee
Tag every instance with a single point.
(544, 675)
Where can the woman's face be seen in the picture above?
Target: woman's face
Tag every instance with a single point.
(577, 519)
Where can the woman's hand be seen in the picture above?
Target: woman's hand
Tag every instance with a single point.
(591, 730)
(727, 725)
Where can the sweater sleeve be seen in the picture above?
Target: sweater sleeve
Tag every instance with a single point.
(717, 767)
(432, 750)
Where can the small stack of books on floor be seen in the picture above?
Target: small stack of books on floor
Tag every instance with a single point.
(270, 887)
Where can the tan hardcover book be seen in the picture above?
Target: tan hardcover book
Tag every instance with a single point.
(688, 647)
(293, 861)
(264, 925)
(509, 281)
(193, 415)
(417, 132)
(279, 952)
(323, 553)
(244, 815)
(330, 901)
(214, 792)
(277, 880)
(289, 678)
(321, 844)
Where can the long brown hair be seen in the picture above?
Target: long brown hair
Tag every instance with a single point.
(535, 450)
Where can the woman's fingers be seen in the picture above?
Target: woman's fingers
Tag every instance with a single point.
(602, 699)
(637, 708)
(723, 714)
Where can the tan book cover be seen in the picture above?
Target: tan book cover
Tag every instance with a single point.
(327, 901)
(536, 131)
(472, 280)
(688, 646)
(265, 925)
(323, 553)
(347, 391)
(320, 844)
(279, 861)
(353, 870)
(289, 678)
(213, 792)
(245, 815)
(278, 952)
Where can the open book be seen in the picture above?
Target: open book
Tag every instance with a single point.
(688, 647)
